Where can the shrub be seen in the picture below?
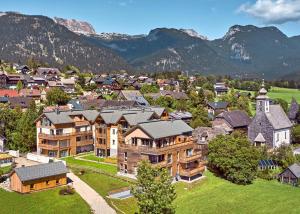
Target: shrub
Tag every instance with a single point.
(67, 191)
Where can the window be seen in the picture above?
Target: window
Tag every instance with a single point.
(31, 186)
(277, 137)
(114, 131)
(57, 182)
(125, 156)
(47, 182)
(113, 142)
(78, 139)
(169, 158)
(285, 135)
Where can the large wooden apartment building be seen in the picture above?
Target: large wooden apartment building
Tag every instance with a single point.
(113, 123)
(64, 133)
(167, 144)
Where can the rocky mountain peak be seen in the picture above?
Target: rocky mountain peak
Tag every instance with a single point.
(79, 27)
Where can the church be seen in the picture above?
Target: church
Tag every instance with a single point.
(270, 126)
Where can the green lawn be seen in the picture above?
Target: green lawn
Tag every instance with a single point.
(4, 170)
(71, 161)
(48, 201)
(215, 195)
(93, 158)
(104, 184)
(284, 93)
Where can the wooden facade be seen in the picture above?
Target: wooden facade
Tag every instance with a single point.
(60, 140)
(36, 185)
(183, 157)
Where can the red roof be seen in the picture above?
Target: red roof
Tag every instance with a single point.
(30, 92)
(9, 93)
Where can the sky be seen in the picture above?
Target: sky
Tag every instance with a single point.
(210, 18)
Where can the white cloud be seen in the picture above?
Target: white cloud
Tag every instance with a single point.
(273, 11)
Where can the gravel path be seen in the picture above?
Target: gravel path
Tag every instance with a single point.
(96, 202)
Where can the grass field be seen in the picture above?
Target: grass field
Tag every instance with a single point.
(71, 161)
(210, 195)
(48, 201)
(93, 157)
(284, 93)
(104, 184)
(215, 195)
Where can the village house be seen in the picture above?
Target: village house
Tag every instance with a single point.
(205, 134)
(38, 177)
(166, 144)
(220, 88)
(113, 123)
(41, 71)
(133, 95)
(270, 125)
(215, 108)
(232, 121)
(5, 160)
(181, 115)
(23, 69)
(64, 133)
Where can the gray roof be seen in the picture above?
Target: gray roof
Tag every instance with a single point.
(278, 118)
(218, 105)
(41, 171)
(64, 116)
(132, 116)
(181, 115)
(259, 138)
(165, 128)
(295, 169)
(236, 118)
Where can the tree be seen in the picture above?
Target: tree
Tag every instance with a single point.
(284, 104)
(154, 190)
(19, 86)
(296, 134)
(200, 117)
(57, 96)
(233, 157)
(284, 156)
(165, 101)
(24, 136)
(149, 89)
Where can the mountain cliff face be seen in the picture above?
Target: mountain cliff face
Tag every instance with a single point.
(39, 37)
(80, 27)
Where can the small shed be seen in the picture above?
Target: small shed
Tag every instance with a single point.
(38, 177)
(290, 175)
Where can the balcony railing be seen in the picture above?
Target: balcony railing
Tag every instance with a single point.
(192, 172)
(193, 157)
(156, 150)
(82, 123)
(83, 132)
(54, 137)
(53, 146)
(84, 143)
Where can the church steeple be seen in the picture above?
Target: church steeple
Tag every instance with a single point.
(262, 100)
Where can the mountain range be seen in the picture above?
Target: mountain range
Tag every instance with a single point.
(244, 51)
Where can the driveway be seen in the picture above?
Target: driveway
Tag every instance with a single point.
(96, 202)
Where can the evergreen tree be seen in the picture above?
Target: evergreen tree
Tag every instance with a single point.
(57, 96)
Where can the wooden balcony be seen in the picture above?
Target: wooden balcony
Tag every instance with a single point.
(80, 133)
(101, 146)
(187, 159)
(53, 147)
(82, 123)
(157, 150)
(54, 137)
(84, 143)
(192, 172)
